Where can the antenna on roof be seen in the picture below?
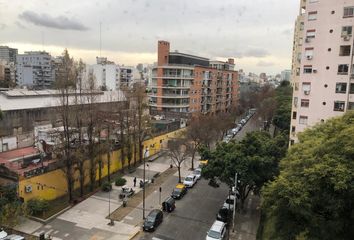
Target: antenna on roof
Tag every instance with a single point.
(100, 39)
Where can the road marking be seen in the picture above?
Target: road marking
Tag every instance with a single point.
(155, 238)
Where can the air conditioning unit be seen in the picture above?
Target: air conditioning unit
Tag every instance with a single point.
(28, 188)
(314, 70)
(307, 40)
(307, 92)
(346, 38)
(309, 57)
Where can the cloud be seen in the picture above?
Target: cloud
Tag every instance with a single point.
(256, 52)
(60, 22)
(265, 64)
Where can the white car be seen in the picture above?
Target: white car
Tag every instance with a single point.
(217, 231)
(198, 173)
(229, 202)
(190, 180)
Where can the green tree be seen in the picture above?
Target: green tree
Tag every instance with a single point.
(283, 97)
(10, 206)
(255, 159)
(313, 197)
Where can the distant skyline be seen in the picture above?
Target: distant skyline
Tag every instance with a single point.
(257, 33)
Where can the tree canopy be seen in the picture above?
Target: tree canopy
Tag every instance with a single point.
(313, 197)
(255, 159)
(283, 96)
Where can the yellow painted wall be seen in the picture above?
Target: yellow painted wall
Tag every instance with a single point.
(52, 185)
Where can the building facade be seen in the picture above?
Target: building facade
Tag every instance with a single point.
(185, 84)
(322, 67)
(35, 70)
(8, 54)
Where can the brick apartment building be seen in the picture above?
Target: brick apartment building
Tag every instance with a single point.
(184, 84)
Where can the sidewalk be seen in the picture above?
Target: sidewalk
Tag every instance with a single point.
(247, 221)
(88, 219)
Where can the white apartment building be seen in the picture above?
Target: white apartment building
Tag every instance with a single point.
(322, 69)
(108, 75)
(35, 69)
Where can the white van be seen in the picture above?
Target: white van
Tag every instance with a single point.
(217, 231)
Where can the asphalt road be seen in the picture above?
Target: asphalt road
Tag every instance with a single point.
(193, 216)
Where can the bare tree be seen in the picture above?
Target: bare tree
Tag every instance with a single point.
(138, 104)
(66, 76)
(179, 151)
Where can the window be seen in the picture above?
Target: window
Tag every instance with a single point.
(341, 87)
(307, 69)
(339, 106)
(305, 103)
(351, 106)
(303, 120)
(343, 69)
(351, 90)
(309, 53)
(294, 115)
(348, 12)
(293, 129)
(310, 34)
(344, 50)
(306, 87)
(295, 101)
(313, 1)
(347, 31)
(312, 16)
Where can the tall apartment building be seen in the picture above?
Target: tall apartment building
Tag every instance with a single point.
(8, 54)
(106, 73)
(35, 69)
(322, 65)
(185, 84)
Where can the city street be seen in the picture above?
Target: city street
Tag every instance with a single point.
(193, 216)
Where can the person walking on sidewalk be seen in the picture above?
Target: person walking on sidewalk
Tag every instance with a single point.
(134, 181)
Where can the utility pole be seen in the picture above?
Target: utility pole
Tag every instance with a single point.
(234, 210)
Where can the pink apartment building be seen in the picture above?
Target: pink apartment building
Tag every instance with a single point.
(322, 65)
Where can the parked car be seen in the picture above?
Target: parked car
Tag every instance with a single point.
(153, 220)
(229, 202)
(3, 234)
(190, 180)
(243, 121)
(223, 215)
(198, 173)
(168, 205)
(179, 191)
(217, 231)
(13, 237)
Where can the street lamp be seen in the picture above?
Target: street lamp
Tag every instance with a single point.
(233, 213)
(144, 157)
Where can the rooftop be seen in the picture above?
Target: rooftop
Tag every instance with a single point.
(24, 161)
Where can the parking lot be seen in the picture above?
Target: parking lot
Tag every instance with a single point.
(193, 216)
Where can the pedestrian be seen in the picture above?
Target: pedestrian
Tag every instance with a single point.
(134, 181)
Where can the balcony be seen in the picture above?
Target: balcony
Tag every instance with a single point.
(178, 76)
(169, 95)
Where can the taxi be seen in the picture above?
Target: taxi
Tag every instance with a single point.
(179, 191)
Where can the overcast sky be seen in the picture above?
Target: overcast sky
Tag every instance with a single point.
(257, 33)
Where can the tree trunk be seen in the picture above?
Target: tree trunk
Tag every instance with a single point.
(100, 172)
(81, 184)
(109, 166)
(193, 155)
(179, 174)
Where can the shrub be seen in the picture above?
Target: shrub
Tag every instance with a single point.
(120, 181)
(37, 206)
(106, 187)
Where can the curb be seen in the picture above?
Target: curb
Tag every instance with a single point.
(134, 235)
